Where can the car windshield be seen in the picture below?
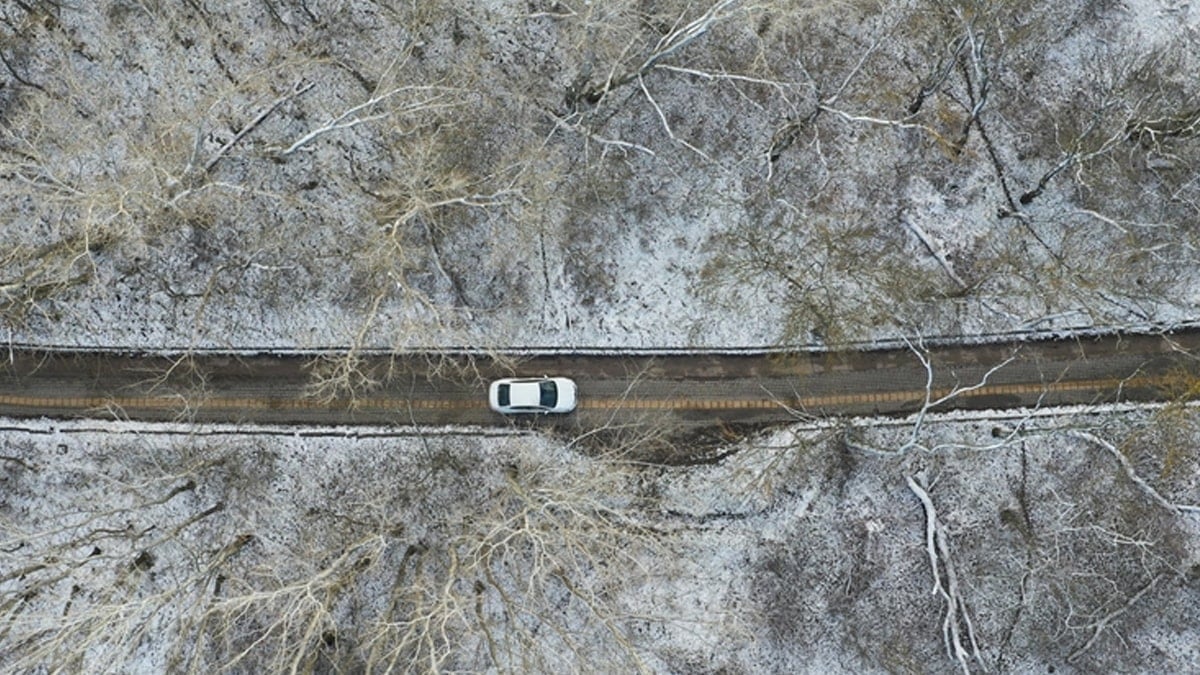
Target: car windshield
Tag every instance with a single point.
(549, 394)
(502, 395)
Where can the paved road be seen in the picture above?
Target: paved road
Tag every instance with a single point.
(689, 391)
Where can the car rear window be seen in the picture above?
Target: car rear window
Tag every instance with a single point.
(502, 395)
(549, 395)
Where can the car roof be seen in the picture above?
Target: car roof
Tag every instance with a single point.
(525, 394)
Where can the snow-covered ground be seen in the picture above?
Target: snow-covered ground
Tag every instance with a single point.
(155, 548)
(466, 204)
(777, 177)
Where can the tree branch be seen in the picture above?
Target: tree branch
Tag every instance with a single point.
(1137, 480)
(957, 620)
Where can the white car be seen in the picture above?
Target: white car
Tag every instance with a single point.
(532, 395)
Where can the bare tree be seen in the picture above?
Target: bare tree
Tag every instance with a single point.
(515, 561)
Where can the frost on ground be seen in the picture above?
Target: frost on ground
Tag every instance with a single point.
(314, 173)
(806, 550)
(307, 173)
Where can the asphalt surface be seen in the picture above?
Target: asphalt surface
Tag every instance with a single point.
(686, 391)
